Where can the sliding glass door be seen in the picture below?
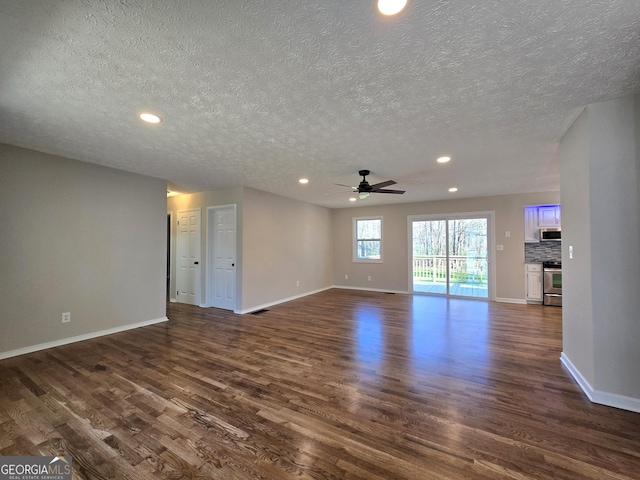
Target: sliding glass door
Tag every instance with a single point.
(450, 256)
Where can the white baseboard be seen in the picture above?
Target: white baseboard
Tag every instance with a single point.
(597, 396)
(282, 300)
(519, 301)
(79, 338)
(381, 290)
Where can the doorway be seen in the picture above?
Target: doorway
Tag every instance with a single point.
(221, 257)
(450, 255)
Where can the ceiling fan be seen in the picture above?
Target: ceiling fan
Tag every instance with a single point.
(364, 189)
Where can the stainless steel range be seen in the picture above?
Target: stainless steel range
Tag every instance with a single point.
(552, 283)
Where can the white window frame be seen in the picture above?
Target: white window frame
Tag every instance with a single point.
(355, 240)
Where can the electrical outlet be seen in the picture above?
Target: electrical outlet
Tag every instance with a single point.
(369, 278)
(507, 233)
(346, 277)
(66, 317)
(297, 283)
(500, 247)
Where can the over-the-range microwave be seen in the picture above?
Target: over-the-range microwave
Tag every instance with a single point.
(550, 235)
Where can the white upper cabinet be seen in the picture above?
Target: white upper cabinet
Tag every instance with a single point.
(537, 217)
(549, 216)
(531, 230)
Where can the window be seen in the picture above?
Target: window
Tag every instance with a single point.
(367, 234)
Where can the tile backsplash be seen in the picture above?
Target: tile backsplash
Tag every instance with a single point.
(543, 252)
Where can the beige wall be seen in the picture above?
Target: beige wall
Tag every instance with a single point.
(393, 274)
(602, 338)
(285, 241)
(577, 301)
(280, 242)
(202, 200)
(78, 238)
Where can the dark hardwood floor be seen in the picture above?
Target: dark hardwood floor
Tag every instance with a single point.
(342, 384)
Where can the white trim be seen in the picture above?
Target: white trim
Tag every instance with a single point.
(597, 396)
(575, 373)
(80, 338)
(198, 285)
(173, 300)
(491, 259)
(354, 240)
(381, 290)
(170, 245)
(283, 300)
(519, 301)
(209, 246)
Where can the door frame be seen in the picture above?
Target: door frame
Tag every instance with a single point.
(491, 264)
(170, 259)
(210, 257)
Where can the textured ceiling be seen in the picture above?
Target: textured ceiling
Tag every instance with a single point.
(260, 93)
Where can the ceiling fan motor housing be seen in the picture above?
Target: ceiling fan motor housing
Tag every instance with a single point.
(364, 185)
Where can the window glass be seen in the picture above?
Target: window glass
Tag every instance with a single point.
(368, 239)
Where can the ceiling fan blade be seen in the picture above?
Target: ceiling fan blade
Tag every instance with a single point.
(383, 184)
(400, 192)
(348, 186)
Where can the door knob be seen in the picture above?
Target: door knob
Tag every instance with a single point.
(196, 263)
(233, 264)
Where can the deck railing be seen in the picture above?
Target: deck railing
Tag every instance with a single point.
(462, 268)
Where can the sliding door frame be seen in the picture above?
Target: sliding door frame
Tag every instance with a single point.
(491, 264)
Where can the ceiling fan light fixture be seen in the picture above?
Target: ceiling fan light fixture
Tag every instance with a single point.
(390, 7)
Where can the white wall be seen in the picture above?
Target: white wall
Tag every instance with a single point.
(393, 274)
(602, 348)
(78, 238)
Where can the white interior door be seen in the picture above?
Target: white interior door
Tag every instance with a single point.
(188, 256)
(221, 269)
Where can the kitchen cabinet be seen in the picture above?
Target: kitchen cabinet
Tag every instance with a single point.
(537, 217)
(549, 216)
(534, 282)
(531, 229)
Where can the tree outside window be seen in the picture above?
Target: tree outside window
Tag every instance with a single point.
(367, 239)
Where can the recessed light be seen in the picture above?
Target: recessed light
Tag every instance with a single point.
(304, 180)
(443, 159)
(391, 7)
(150, 118)
(352, 199)
(453, 189)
